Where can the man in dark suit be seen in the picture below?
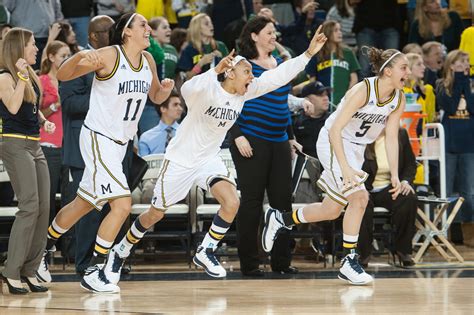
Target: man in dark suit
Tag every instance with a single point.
(402, 209)
(75, 95)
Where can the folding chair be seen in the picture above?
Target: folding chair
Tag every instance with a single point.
(434, 232)
(178, 214)
(7, 214)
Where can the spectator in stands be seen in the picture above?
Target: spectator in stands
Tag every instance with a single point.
(376, 24)
(425, 92)
(186, 9)
(412, 48)
(157, 139)
(433, 57)
(23, 159)
(203, 51)
(161, 33)
(343, 13)
(283, 10)
(456, 99)
(68, 36)
(435, 24)
(78, 13)
(297, 35)
(467, 45)
(262, 145)
(402, 208)
(335, 65)
(116, 8)
(178, 39)
(56, 53)
(75, 96)
(310, 120)
(35, 16)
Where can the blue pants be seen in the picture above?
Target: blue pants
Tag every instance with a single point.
(80, 26)
(384, 39)
(459, 179)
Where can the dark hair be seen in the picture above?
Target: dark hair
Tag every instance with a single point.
(342, 8)
(66, 29)
(115, 33)
(178, 37)
(166, 103)
(377, 58)
(247, 46)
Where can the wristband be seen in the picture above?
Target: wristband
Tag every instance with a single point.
(23, 77)
(53, 108)
(196, 69)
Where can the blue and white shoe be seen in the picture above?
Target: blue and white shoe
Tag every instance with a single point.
(352, 272)
(206, 259)
(43, 274)
(94, 280)
(273, 226)
(113, 266)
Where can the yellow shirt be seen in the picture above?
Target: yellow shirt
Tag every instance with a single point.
(382, 178)
(467, 45)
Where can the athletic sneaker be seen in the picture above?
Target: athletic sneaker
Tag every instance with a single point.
(94, 280)
(352, 272)
(273, 225)
(113, 266)
(206, 259)
(43, 274)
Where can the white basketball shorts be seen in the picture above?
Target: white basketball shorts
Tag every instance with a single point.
(331, 178)
(103, 178)
(174, 181)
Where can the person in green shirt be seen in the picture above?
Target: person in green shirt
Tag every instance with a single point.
(161, 33)
(335, 65)
(203, 51)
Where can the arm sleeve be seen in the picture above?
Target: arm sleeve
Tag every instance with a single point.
(295, 103)
(311, 67)
(194, 88)
(143, 149)
(450, 103)
(272, 79)
(75, 96)
(409, 161)
(185, 62)
(235, 131)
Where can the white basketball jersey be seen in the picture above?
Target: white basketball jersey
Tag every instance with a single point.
(369, 120)
(117, 100)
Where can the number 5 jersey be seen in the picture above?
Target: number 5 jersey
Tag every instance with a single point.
(369, 120)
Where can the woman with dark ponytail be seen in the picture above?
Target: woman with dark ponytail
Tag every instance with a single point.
(125, 74)
(367, 109)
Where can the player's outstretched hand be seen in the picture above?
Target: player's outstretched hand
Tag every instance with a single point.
(167, 85)
(351, 178)
(93, 57)
(225, 63)
(318, 41)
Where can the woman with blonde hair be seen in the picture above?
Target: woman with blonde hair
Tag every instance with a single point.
(23, 159)
(432, 23)
(55, 53)
(203, 51)
(425, 92)
(335, 65)
(456, 100)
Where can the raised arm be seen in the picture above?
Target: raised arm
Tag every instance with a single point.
(272, 79)
(12, 94)
(391, 145)
(159, 91)
(101, 61)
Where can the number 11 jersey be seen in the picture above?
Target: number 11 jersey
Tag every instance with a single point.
(117, 100)
(368, 121)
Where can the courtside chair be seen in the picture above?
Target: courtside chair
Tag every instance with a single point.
(176, 225)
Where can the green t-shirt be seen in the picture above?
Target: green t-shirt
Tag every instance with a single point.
(168, 67)
(334, 72)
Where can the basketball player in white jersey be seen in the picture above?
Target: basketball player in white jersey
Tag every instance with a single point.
(214, 99)
(365, 111)
(124, 76)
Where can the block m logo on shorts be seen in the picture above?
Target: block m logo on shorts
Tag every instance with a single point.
(106, 189)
